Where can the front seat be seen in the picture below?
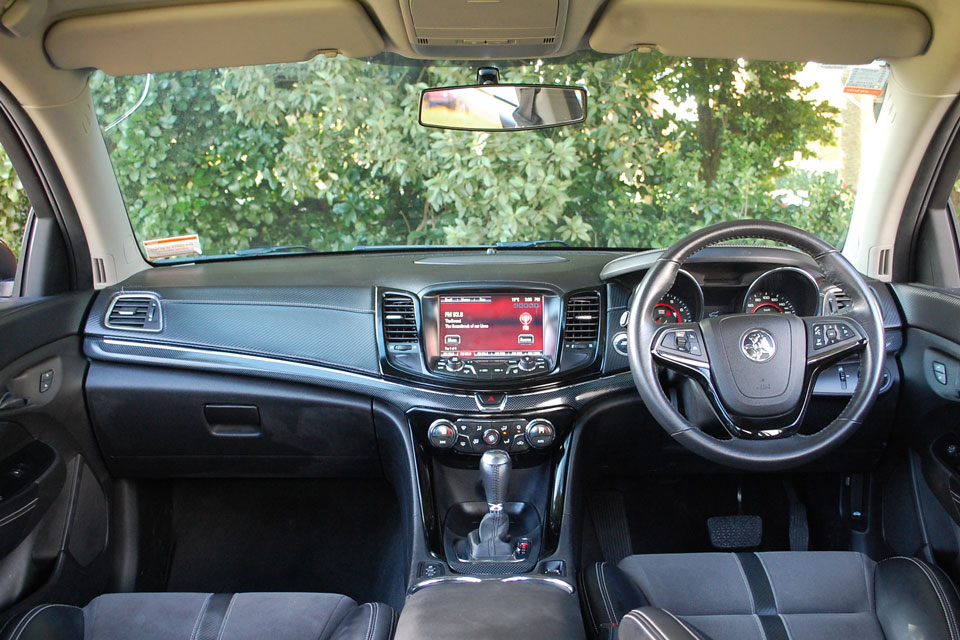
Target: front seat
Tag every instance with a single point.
(207, 616)
(770, 596)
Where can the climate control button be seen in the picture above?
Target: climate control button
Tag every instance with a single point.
(540, 433)
(442, 434)
(491, 437)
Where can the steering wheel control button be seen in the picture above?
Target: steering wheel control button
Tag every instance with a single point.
(683, 341)
(540, 433)
(681, 346)
(442, 434)
(826, 334)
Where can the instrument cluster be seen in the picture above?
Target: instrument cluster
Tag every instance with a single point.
(786, 290)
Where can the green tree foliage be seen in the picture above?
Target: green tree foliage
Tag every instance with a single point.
(14, 205)
(329, 154)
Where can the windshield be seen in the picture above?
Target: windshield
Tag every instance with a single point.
(328, 155)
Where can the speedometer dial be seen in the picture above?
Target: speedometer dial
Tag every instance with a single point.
(672, 309)
(768, 302)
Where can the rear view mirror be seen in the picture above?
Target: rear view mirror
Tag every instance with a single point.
(502, 107)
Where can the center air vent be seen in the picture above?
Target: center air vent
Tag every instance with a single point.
(399, 319)
(135, 312)
(582, 322)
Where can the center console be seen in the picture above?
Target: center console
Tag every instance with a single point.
(500, 474)
(491, 481)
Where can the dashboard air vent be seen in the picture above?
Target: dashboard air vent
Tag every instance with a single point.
(582, 322)
(135, 312)
(843, 300)
(836, 300)
(399, 319)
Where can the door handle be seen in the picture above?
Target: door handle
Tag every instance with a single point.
(10, 401)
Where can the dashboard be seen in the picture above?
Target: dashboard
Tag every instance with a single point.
(525, 322)
(498, 344)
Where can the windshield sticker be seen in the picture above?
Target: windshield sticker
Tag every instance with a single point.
(868, 81)
(170, 247)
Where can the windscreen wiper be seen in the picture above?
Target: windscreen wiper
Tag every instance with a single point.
(414, 247)
(526, 244)
(284, 248)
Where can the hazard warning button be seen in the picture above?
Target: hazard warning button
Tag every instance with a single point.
(489, 400)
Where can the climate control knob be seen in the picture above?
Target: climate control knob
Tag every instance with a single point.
(540, 433)
(491, 437)
(442, 434)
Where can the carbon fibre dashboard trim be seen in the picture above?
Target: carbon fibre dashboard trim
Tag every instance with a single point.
(404, 396)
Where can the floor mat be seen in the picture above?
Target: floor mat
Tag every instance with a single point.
(669, 514)
(285, 535)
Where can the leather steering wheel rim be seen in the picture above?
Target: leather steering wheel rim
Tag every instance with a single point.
(756, 454)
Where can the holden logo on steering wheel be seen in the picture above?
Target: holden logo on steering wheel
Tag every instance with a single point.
(758, 345)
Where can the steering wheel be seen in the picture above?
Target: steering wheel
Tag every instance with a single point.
(757, 370)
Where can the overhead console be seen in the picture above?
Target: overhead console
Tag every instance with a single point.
(466, 28)
(492, 335)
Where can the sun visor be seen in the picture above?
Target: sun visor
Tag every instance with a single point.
(221, 34)
(829, 31)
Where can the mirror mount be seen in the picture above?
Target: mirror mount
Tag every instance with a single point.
(488, 75)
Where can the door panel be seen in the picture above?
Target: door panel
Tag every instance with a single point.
(929, 414)
(54, 489)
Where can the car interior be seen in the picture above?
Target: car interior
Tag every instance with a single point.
(734, 427)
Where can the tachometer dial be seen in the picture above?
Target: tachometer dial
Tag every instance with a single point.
(672, 309)
(768, 302)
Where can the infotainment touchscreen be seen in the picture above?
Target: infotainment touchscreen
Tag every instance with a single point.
(481, 326)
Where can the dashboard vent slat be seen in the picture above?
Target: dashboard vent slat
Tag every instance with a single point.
(582, 322)
(836, 300)
(135, 312)
(399, 319)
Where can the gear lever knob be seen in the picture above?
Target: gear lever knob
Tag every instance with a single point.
(495, 475)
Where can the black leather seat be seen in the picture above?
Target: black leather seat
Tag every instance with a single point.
(770, 596)
(205, 616)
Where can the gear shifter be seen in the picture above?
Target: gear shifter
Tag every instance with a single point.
(495, 475)
(491, 540)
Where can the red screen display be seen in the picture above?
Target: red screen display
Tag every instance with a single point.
(491, 326)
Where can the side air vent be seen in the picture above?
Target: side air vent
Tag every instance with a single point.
(836, 300)
(582, 322)
(399, 319)
(135, 312)
(843, 300)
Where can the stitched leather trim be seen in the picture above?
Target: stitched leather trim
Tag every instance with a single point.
(649, 631)
(27, 508)
(585, 597)
(212, 617)
(605, 594)
(226, 616)
(196, 623)
(22, 625)
(948, 612)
